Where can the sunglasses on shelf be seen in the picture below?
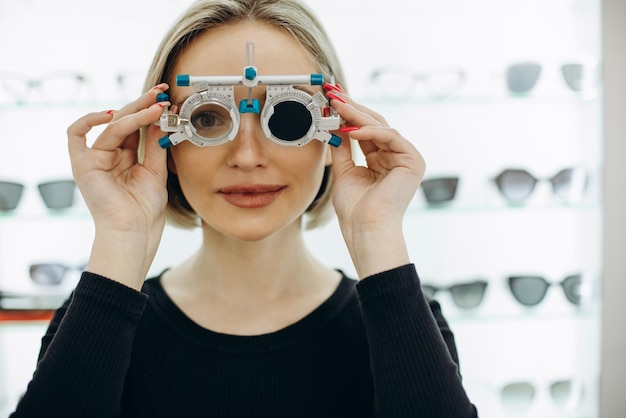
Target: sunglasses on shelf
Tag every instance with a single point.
(55, 194)
(51, 274)
(519, 396)
(440, 190)
(61, 87)
(407, 83)
(580, 77)
(517, 185)
(531, 290)
(464, 295)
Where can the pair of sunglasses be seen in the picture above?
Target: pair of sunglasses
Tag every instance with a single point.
(519, 396)
(464, 295)
(531, 290)
(61, 87)
(395, 82)
(440, 190)
(522, 77)
(51, 274)
(55, 194)
(517, 185)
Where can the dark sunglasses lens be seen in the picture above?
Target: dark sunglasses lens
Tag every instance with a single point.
(521, 78)
(515, 185)
(291, 121)
(47, 274)
(569, 184)
(10, 195)
(528, 290)
(468, 295)
(440, 190)
(572, 288)
(58, 194)
(429, 291)
(574, 75)
(517, 396)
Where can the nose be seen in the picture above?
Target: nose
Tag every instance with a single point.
(248, 150)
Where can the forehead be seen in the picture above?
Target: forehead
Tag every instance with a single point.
(222, 51)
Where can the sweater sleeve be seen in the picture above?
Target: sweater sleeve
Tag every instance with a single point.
(85, 353)
(412, 351)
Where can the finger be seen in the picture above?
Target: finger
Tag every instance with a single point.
(339, 99)
(77, 131)
(342, 158)
(145, 100)
(116, 132)
(373, 138)
(155, 157)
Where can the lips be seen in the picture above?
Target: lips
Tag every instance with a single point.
(251, 196)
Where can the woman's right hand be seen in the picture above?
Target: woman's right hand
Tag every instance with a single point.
(126, 197)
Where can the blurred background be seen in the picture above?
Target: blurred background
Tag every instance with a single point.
(505, 100)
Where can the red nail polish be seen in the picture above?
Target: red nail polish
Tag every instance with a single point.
(334, 96)
(340, 88)
(109, 112)
(350, 128)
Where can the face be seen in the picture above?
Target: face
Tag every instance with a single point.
(251, 187)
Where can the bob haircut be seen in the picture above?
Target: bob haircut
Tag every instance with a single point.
(291, 16)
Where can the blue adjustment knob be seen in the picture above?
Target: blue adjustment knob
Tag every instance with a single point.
(250, 73)
(183, 80)
(162, 97)
(317, 79)
(335, 141)
(165, 142)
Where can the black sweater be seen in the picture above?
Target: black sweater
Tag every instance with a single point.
(374, 349)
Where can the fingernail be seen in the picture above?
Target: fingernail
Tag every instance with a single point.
(160, 87)
(108, 112)
(350, 128)
(334, 96)
(340, 88)
(330, 87)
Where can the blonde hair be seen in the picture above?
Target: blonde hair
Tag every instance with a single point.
(294, 18)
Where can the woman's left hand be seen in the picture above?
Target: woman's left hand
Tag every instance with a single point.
(371, 200)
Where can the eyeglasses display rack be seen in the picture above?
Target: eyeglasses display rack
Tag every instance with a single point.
(503, 99)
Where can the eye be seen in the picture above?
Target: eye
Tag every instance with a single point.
(211, 121)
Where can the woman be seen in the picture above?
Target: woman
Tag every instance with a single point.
(251, 325)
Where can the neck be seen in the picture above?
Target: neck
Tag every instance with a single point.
(273, 267)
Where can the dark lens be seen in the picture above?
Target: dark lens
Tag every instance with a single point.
(522, 77)
(10, 195)
(290, 121)
(429, 291)
(528, 290)
(569, 184)
(47, 274)
(515, 185)
(58, 194)
(572, 288)
(211, 121)
(440, 190)
(468, 295)
(517, 396)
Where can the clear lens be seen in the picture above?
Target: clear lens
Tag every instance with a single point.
(10, 195)
(290, 121)
(14, 89)
(528, 290)
(211, 121)
(61, 88)
(517, 396)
